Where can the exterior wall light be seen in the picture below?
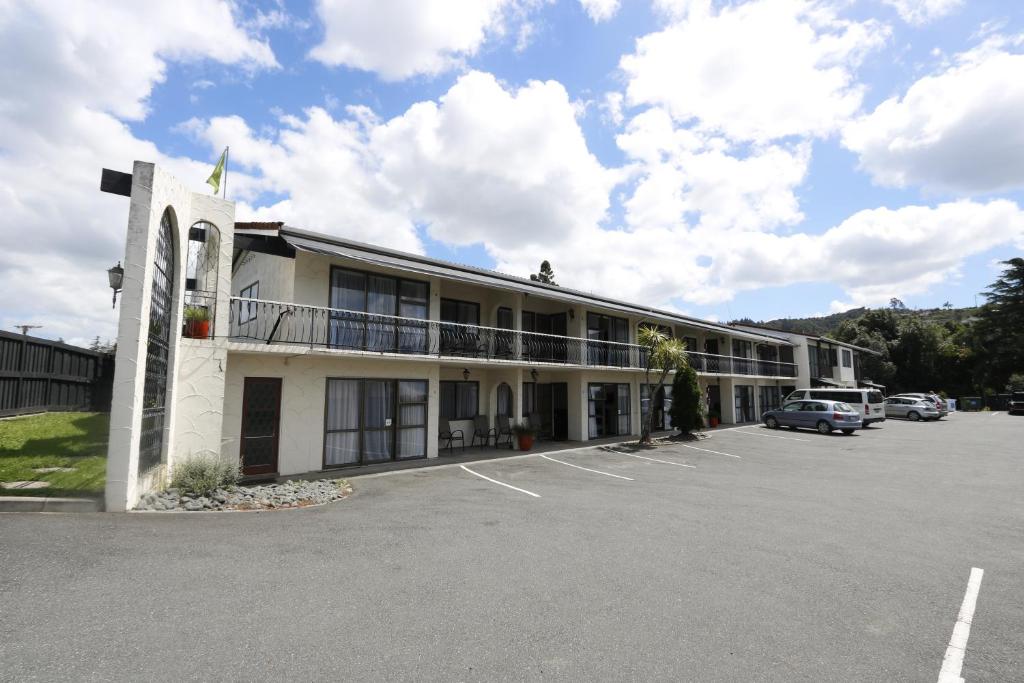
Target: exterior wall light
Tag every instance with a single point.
(115, 276)
(465, 374)
(534, 374)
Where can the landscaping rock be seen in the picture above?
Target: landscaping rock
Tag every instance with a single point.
(284, 496)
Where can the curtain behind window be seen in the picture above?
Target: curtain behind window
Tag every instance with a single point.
(341, 445)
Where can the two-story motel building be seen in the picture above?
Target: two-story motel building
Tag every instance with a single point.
(323, 353)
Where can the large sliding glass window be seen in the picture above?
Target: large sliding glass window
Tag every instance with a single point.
(459, 400)
(364, 308)
(374, 420)
(463, 338)
(605, 328)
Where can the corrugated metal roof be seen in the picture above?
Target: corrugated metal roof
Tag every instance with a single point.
(332, 246)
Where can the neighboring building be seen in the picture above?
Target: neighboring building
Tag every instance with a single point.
(820, 361)
(322, 353)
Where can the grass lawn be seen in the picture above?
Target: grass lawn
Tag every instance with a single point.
(77, 440)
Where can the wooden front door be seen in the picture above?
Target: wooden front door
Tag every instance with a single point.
(261, 420)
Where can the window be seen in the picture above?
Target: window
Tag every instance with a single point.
(691, 343)
(363, 426)
(462, 312)
(459, 400)
(365, 306)
(605, 328)
(504, 400)
(847, 358)
(247, 310)
(529, 399)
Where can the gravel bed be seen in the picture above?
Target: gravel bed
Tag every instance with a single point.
(290, 494)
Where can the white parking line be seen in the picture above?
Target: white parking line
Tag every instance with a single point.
(587, 469)
(500, 483)
(770, 436)
(995, 413)
(710, 451)
(953, 662)
(644, 457)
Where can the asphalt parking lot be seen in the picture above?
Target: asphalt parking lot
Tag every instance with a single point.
(751, 555)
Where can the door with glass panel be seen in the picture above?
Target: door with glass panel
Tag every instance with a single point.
(608, 410)
(261, 417)
(374, 420)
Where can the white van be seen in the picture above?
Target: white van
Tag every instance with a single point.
(869, 402)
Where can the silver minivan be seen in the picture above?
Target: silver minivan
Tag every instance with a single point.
(913, 409)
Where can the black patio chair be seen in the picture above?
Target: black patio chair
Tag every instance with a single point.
(537, 424)
(445, 433)
(483, 430)
(504, 429)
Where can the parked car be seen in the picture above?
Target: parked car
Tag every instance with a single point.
(913, 409)
(1016, 403)
(934, 399)
(869, 402)
(823, 415)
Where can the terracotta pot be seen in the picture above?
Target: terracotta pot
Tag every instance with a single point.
(197, 329)
(525, 442)
(713, 421)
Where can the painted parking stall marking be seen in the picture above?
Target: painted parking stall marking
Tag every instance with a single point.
(708, 450)
(586, 469)
(644, 457)
(770, 436)
(500, 483)
(953, 661)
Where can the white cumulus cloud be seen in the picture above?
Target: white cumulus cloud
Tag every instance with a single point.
(72, 73)
(600, 10)
(957, 130)
(755, 71)
(402, 38)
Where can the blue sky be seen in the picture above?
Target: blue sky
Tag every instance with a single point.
(729, 159)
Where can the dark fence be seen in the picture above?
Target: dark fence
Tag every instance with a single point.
(38, 375)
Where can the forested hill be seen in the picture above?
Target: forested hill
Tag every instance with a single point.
(827, 325)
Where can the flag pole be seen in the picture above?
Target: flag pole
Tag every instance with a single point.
(227, 151)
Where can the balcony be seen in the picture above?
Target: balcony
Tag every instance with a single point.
(256, 321)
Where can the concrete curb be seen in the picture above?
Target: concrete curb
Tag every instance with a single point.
(43, 504)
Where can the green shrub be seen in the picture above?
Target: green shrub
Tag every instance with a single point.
(202, 474)
(687, 409)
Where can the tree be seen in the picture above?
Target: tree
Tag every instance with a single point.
(687, 409)
(663, 355)
(897, 305)
(546, 275)
(1000, 326)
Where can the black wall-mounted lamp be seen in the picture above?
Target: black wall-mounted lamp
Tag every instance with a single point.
(115, 276)
(465, 373)
(534, 374)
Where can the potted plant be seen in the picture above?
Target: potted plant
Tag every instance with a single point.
(524, 434)
(714, 418)
(197, 322)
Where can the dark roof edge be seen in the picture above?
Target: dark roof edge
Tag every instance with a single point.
(553, 289)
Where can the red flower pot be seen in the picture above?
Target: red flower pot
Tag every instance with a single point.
(197, 329)
(713, 421)
(525, 442)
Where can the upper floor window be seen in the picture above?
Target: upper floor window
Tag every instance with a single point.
(847, 358)
(462, 312)
(248, 309)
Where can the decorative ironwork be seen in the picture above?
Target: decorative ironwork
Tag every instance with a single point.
(272, 322)
(154, 392)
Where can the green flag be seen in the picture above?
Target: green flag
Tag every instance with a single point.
(218, 171)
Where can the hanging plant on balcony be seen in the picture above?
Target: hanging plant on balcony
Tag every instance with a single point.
(197, 322)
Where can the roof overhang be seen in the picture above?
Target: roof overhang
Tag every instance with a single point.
(302, 240)
(826, 382)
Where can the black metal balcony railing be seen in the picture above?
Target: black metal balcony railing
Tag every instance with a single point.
(271, 322)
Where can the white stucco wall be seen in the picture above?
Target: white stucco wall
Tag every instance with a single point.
(191, 405)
